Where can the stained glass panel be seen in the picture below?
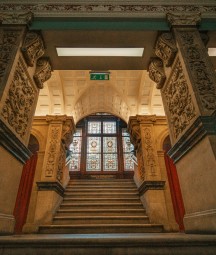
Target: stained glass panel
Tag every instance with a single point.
(74, 164)
(128, 162)
(75, 146)
(109, 144)
(124, 132)
(110, 162)
(93, 144)
(93, 162)
(127, 145)
(78, 132)
(109, 127)
(94, 127)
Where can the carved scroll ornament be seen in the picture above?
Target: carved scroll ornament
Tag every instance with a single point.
(201, 72)
(179, 101)
(18, 104)
(61, 164)
(16, 18)
(43, 72)
(182, 19)
(156, 72)
(141, 166)
(67, 133)
(32, 48)
(166, 48)
(8, 41)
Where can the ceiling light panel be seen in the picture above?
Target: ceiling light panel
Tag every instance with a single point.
(100, 52)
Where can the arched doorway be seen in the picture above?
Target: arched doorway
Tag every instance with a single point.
(101, 147)
(175, 190)
(25, 186)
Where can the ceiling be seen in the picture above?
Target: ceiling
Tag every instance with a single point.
(129, 90)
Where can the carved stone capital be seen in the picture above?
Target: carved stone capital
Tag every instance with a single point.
(166, 48)
(56, 118)
(183, 19)
(32, 48)
(43, 71)
(156, 72)
(67, 132)
(16, 18)
(134, 130)
(146, 119)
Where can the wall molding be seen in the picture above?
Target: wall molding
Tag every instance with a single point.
(51, 186)
(151, 185)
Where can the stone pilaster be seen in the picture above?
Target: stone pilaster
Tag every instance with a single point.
(18, 98)
(51, 184)
(189, 95)
(148, 176)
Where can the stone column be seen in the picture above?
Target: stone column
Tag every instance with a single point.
(52, 181)
(148, 177)
(186, 77)
(21, 76)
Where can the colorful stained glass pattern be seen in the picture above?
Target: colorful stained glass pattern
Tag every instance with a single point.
(75, 146)
(93, 162)
(124, 132)
(78, 132)
(74, 164)
(109, 127)
(128, 162)
(93, 144)
(110, 162)
(127, 145)
(94, 127)
(109, 145)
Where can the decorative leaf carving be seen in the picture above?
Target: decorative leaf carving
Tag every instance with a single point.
(156, 72)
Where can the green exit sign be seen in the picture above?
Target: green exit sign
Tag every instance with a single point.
(99, 76)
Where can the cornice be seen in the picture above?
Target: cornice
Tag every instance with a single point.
(52, 186)
(109, 9)
(151, 185)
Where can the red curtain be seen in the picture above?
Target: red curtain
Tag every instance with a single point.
(24, 193)
(175, 190)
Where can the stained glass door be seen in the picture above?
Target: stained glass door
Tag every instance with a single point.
(101, 147)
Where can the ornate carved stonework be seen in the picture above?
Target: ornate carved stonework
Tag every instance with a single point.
(201, 72)
(141, 166)
(17, 108)
(52, 150)
(32, 48)
(146, 118)
(61, 163)
(166, 48)
(179, 101)
(156, 72)
(118, 8)
(182, 19)
(134, 130)
(16, 18)
(149, 156)
(43, 72)
(8, 40)
(67, 133)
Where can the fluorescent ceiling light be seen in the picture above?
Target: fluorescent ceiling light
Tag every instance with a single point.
(100, 52)
(212, 52)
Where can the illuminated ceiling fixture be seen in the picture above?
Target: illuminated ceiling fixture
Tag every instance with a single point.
(100, 52)
(212, 52)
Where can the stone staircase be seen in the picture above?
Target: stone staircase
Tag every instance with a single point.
(101, 206)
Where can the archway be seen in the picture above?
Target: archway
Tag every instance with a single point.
(101, 146)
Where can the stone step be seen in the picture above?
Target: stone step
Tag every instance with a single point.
(99, 194)
(93, 190)
(99, 211)
(101, 205)
(76, 220)
(100, 228)
(97, 199)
